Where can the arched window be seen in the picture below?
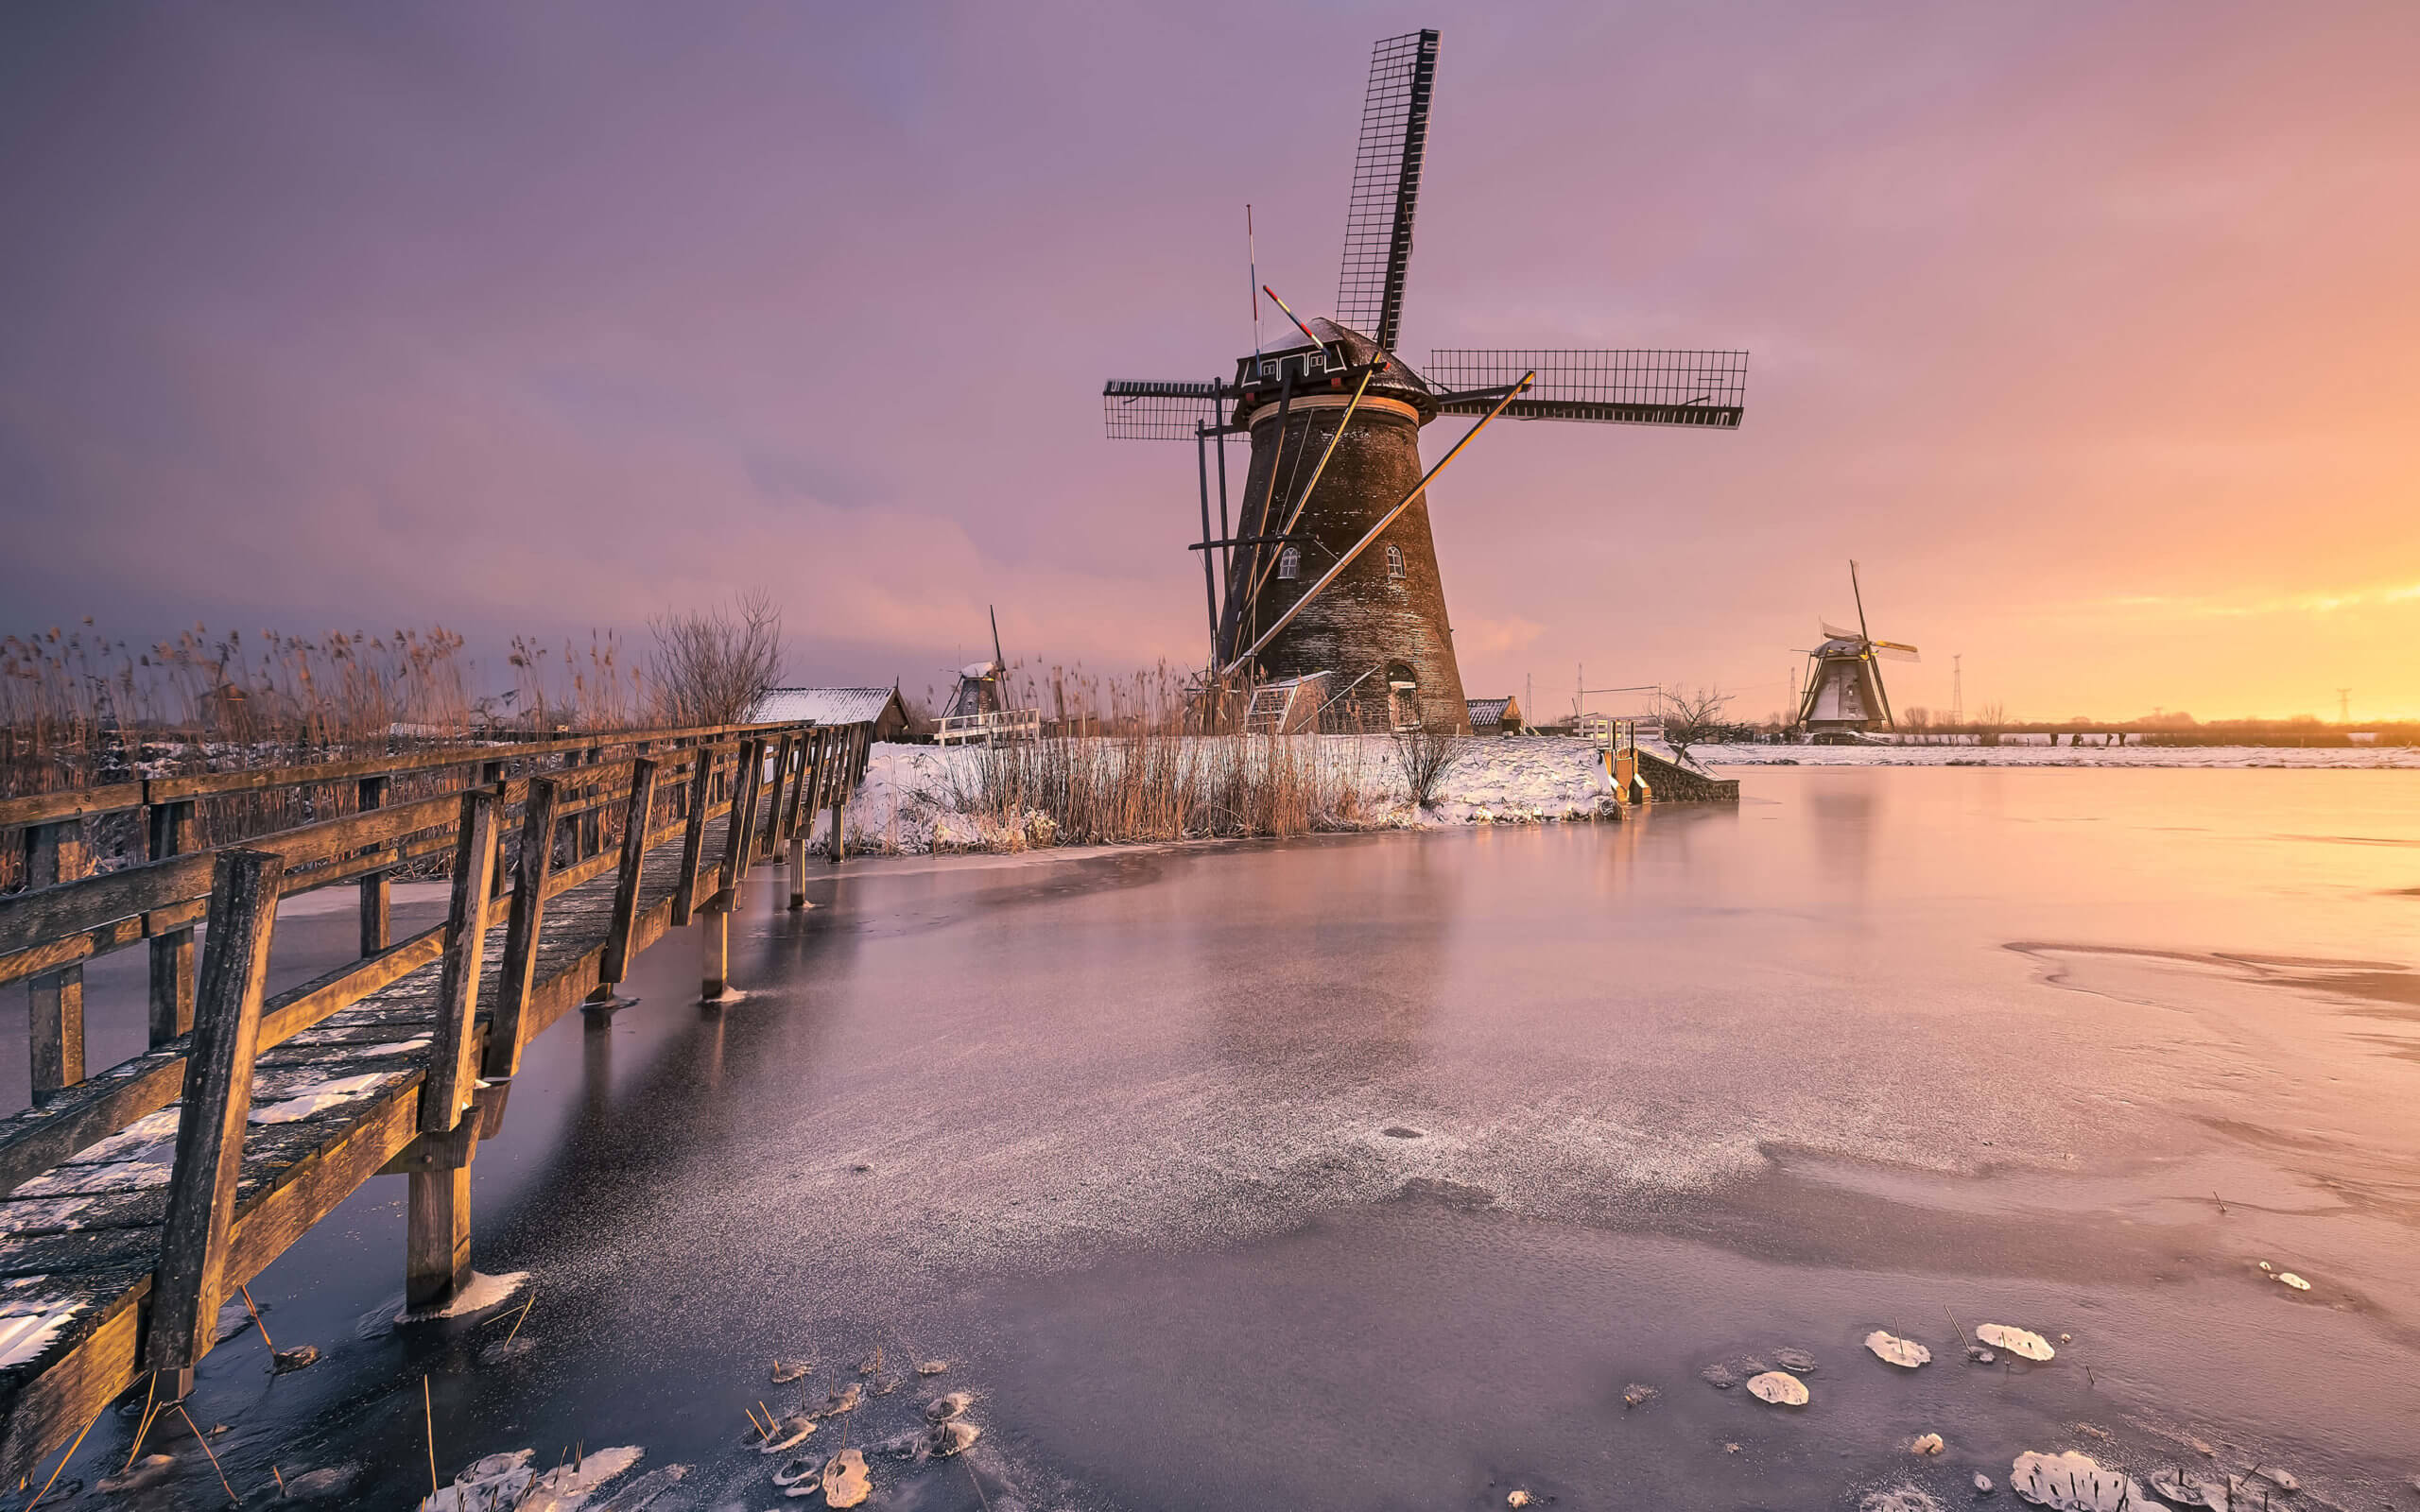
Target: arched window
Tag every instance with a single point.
(1289, 564)
(1394, 562)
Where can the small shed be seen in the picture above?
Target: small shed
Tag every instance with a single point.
(879, 707)
(1495, 717)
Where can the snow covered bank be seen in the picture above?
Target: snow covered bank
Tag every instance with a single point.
(922, 798)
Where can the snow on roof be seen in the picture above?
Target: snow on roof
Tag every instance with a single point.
(1486, 711)
(826, 706)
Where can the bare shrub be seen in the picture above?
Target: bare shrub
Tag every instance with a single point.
(1426, 755)
(713, 667)
(1693, 717)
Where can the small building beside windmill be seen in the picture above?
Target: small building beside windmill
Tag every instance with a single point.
(880, 707)
(1495, 717)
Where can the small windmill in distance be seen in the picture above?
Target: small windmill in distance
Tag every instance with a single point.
(1329, 569)
(1844, 694)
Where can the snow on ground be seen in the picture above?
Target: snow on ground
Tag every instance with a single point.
(916, 799)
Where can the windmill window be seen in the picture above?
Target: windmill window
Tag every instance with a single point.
(1289, 564)
(1315, 362)
(1394, 562)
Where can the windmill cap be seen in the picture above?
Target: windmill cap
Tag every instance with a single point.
(1398, 382)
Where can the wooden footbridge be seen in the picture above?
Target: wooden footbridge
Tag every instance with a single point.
(139, 1197)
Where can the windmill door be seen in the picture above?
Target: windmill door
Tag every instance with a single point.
(1403, 698)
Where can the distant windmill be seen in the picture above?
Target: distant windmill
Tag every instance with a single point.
(1331, 568)
(1844, 693)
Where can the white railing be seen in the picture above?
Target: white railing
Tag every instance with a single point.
(1003, 724)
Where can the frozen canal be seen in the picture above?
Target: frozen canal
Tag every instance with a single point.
(1369, 1171)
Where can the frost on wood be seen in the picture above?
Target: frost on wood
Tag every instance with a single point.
(26, 1336)
(2074, 1482)
(1779, 1387)
(1896, 1351)
(2015, 1341)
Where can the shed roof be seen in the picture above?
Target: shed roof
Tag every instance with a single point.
(826, 706)
(1490, 711)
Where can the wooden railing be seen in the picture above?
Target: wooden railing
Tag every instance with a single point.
(574, 816)
(999, 724)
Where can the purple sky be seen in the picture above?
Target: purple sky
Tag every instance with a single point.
(2092, 331)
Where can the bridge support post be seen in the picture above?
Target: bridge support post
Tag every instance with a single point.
(714, 955)
(437, 1210)
(437, 1237)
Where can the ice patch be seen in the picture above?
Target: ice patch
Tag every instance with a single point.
(507, 1481)
(483, 1293)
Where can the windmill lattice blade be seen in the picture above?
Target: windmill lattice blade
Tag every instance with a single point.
(1893, 651)
(1833, 632)
(1386, 185)
(1155, 410)
(1625, 387)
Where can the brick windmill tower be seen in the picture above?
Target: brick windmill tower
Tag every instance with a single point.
(1325, 567)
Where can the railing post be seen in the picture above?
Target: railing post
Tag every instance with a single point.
(740, 837)
(739, 840)
(55, 1000)
(532, 865)
(192, 1277)
(592, 822)
(693, 836)
(448, 1089)
(172, 983)
(774, 814)
(376, 891)
(845, 779)
(626, 886)
(798, 816)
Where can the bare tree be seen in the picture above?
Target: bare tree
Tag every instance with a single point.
(714, 667)
(1988, 720)
(1693, 718)
(1426, 754)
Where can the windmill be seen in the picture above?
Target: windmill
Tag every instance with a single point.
(1844, 694)
(1328, 565)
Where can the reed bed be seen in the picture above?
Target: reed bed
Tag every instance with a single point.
(1159, 786)
(79, 707)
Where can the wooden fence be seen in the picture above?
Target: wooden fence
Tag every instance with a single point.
(565, 858)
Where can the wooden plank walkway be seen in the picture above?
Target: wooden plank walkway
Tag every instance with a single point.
(117, 1247)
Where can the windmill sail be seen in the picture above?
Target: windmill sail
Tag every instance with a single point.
(1626, 388)
(1145, 409)
(1386, 185)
